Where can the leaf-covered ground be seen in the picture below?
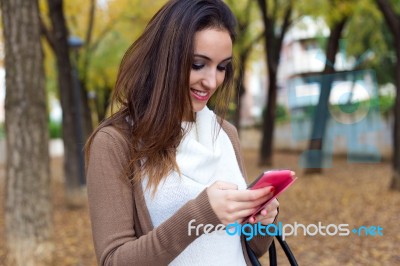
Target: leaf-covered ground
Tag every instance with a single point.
(354, 194)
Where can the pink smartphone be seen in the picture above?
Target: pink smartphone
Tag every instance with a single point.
(279, 179)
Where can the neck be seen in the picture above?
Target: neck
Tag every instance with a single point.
(191, 117)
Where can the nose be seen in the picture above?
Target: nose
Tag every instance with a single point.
(209, 80)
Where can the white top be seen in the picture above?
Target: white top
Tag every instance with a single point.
(204, 156)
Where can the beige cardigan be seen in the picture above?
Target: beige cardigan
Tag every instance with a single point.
(122, 230)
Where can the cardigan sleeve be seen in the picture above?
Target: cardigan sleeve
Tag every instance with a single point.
(111, 211)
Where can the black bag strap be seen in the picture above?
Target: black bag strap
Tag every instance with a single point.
(253, 258)
(286, 249)
(272, 253)
(288, 252)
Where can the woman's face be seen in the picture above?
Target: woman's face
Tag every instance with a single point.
(212, 53)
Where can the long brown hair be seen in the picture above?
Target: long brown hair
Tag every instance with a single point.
(152, 87)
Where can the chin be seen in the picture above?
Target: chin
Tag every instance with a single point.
(198, 107)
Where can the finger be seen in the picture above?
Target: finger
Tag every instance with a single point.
(270, 210)
(262, 219)
(265, 221)
(242, 205)
(259, 217)
(266, 214)
(259, 202)
(252, 220)
(269, 196)
(273, 205)
(250, 195)
(225, 185)
(240, 215)
(270, 207)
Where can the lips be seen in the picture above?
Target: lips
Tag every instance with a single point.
(200, 95)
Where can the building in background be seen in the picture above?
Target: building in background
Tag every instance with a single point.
(301, 63)
(355, 127)
(303, 60)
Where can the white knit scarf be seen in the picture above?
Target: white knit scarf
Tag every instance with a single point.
(204, 156)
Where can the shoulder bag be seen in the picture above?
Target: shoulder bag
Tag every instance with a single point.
(272, 253)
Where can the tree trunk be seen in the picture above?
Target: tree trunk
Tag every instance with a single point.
(396, 130)
(103, 101)
(393, 22)
(273, 44)
(87, 112)
(28, 210)
(73, 131)
(240, 90)
(87, 120)
(244, 44)
(88, 41)
(269, 120)
(314, 155)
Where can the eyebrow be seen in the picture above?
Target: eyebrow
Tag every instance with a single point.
(209, 59)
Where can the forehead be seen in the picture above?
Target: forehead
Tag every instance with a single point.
(214, 43)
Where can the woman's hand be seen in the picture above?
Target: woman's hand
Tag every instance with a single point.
(268, 214)
(233, 205)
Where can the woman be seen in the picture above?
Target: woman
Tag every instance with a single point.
(164, 160)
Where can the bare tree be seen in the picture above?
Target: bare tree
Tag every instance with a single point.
(28, 215)
(393, 21)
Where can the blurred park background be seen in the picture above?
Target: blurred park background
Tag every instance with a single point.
(316, 90)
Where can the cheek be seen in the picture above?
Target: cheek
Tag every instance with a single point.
(220, 78)
(194, 77)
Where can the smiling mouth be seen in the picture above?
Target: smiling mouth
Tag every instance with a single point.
(200, 95)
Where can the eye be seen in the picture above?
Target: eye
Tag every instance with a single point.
(197, 66)
(221, 68)
(224, 65)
